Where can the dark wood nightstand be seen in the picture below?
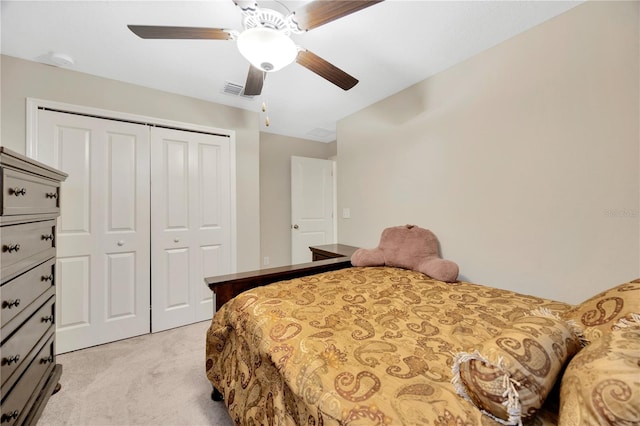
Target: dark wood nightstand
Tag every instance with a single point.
(331, 251)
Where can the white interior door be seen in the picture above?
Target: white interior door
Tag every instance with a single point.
(102, 271)
(190, 223)
(312, 206)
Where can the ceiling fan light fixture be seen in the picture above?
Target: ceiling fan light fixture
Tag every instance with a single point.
(266, 48)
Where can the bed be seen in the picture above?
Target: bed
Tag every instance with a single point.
(377, 346)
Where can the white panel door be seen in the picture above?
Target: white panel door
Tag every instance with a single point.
(190, 223)
(102, 271)
(311, 206)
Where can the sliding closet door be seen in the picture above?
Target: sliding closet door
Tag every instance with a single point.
(102, 271)
(190, 223)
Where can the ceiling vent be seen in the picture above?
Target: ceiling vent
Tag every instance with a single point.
(235, 89)
(321, 133)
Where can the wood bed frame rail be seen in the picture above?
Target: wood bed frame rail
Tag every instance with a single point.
(226, 287)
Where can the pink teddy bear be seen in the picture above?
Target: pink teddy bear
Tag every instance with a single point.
(408, 247)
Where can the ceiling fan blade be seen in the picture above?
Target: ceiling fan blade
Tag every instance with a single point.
(326, 70)
(320, 12)
(188, 33)
(255, 80)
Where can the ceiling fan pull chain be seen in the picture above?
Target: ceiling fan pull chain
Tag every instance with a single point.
(264, 110)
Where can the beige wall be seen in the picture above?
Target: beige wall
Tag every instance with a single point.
(275, 190)
(22, 79)
(523, 159)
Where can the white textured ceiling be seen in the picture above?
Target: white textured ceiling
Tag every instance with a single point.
(388, 47)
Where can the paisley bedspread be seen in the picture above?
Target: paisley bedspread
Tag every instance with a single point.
(358, 346)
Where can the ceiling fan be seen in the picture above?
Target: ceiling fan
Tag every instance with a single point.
(265, 41)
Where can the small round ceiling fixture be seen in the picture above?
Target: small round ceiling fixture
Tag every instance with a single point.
(60, 59)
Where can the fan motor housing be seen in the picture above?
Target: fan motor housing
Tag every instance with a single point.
(267, 18)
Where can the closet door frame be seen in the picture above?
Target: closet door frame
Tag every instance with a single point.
(33, 104)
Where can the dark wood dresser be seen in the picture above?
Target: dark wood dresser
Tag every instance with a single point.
(29, 206)
(331, 251)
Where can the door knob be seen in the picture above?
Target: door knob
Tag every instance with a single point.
(121, 243)
(295, 226)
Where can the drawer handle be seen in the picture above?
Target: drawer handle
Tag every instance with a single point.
(11, 359)
(47, 277)
(47, 319)
(12, 248)
(46, 360)
(19, 191)
(7, 417)
(47, 237)
(11, 303)
(52, 195)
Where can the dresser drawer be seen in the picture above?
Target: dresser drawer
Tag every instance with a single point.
(16, 405)
(24, 193)
(26, 245)
(16, 348)
(18, 293)
(9, 382)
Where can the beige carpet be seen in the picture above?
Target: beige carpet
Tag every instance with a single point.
(155, 379)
